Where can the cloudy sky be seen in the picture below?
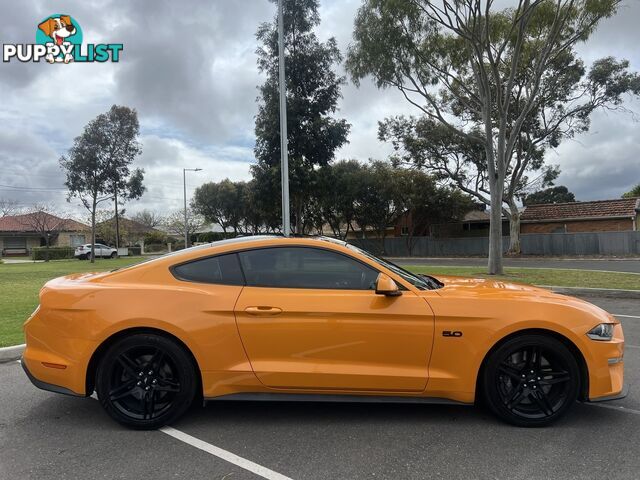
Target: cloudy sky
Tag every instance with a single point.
(189, 68)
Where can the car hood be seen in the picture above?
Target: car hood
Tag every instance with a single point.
(464, 287)
(489, 286)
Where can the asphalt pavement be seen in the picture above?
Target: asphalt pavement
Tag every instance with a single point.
(631, 265)
(49, 436)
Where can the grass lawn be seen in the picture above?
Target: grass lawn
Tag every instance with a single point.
(542, 276)
(20, 284)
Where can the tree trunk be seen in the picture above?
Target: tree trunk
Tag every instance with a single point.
(514, 229)
(298, 207)
(115, 196)
(495, 229)
(93, 232)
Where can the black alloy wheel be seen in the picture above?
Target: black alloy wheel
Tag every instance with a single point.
(531, 381)
(146, 381)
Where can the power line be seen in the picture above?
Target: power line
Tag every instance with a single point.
(13, 187)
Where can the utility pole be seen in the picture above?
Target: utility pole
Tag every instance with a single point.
(284, 154)
(184, 184)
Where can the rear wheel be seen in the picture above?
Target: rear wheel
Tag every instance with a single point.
(146, 381)
(531, 380)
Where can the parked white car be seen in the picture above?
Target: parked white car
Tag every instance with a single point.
(83, 252)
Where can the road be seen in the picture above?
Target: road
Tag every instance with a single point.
(48, 436)
(619, 265)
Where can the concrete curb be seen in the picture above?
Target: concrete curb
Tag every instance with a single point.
(9, 354)
(597, 292)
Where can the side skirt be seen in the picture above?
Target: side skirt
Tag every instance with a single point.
(320, 397)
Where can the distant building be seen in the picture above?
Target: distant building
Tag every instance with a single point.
(596, 216)
(131, 232)
(18, 234)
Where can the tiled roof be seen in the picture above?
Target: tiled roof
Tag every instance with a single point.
(26, 223)
(619, 208)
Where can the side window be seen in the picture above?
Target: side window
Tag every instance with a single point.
(305, 267)
(223, 269)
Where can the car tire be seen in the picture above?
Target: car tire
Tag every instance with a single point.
(145, 381)
(531, 380)
(113, 255)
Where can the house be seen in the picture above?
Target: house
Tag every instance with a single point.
(131, 232)
(596, 216)
(20, 233)
(475, 223)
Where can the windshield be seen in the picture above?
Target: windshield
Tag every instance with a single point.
(423, 282)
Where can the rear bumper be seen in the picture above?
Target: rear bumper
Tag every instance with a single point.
(47, 386)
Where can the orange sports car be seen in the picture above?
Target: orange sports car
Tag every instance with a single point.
(315, 318)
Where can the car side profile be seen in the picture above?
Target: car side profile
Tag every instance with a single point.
(273, 318)
(83, 252)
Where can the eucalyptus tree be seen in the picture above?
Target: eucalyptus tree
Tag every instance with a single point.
(497, 81)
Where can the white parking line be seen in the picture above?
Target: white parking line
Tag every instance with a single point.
(264, 472)
(625, 316)
(253, 467)
(615, 407)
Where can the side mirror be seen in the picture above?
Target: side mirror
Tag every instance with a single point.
(386, 286)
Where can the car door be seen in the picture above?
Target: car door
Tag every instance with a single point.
(309, 318)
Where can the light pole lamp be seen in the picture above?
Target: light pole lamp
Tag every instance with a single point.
(184, 184)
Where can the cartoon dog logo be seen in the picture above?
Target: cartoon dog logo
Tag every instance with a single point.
(59, 29)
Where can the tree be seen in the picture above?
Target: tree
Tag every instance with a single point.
(634, 192)
(120, 130)
(97, 166)
(313, 90)
(426, 203)
(149, 218)
(489, 77)
(220, 203)
(336, 188)
(559, 194)
(41, 219)
(379, 199)
(106, 230)
(174, 223)
(8, 207)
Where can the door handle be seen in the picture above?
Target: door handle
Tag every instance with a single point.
(266, 311)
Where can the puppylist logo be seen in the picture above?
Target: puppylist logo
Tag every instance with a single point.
(59, 40)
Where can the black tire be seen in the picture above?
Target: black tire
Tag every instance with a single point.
(531, 380)
(146, 381)
(113, 255)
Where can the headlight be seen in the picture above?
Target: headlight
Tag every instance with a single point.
(602, 332)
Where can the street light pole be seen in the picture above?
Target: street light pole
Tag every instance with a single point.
(284, 154)
(184, 184)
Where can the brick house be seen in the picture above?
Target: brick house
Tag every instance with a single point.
(18, 235)
(596, 216)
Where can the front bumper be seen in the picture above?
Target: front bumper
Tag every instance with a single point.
(617, 396)
(47, 386)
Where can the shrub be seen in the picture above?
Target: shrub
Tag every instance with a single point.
(208, 237)
(55, 253)
(155, 238)
(135, 250)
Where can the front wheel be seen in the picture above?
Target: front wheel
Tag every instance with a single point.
(146, 381)
(531, 380)
(113, 255)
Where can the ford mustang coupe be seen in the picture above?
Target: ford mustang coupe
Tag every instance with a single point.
(314, 318)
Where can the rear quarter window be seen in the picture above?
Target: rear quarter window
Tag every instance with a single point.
(221, 270)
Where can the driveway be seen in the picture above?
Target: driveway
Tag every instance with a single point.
(48, 436)
(611, 265)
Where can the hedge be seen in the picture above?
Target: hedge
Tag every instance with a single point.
(55, 253)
